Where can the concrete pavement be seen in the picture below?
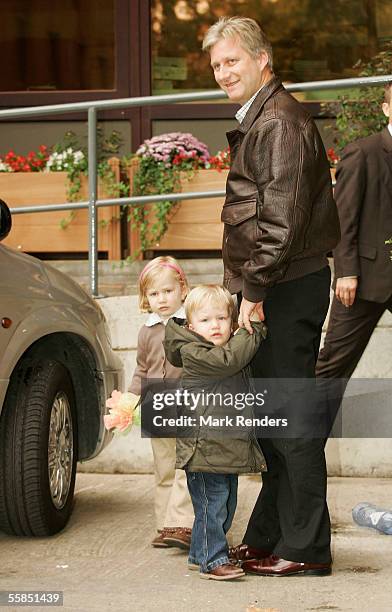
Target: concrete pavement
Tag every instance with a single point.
(103, 560)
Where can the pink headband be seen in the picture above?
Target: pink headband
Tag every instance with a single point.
(163, 264)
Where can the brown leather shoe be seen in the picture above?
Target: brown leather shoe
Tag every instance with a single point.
(180, 537)
(228, 571)
(275, 566)
(243, 552)
(158, 540)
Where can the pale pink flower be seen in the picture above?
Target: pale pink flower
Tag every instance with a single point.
(164, 147)
(114, 399)
(121, 411)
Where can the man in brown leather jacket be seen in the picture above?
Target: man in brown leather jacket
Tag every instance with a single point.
(280, 221)
(363, 268)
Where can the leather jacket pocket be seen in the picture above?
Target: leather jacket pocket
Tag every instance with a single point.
(240, 231)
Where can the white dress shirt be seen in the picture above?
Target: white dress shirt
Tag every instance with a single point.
(240, 114)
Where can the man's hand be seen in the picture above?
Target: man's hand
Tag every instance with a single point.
(345, 291)
(248, 309)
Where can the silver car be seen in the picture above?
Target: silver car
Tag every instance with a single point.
(56, 371)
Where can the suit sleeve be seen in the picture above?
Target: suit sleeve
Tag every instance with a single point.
(285, 160)
(349, 195)
(141, 365)
(222, 361)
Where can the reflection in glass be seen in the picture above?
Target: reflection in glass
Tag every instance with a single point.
(312, 39)
(57, 45)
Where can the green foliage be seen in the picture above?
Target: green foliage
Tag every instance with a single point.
(113, 187)
(362, 116)
(67, 220)
(74, 185)
(69, 140)
(107, 146)
(164, 160)
(153, 177)
(390, 252)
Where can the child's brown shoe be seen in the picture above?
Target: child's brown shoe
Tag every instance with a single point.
(158, 541)
(228, 571)
(180, 537)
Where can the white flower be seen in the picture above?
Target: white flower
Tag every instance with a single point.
(4, 167)
(64, 160)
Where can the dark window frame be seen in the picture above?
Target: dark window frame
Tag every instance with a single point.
(11, 99)
(132, 78)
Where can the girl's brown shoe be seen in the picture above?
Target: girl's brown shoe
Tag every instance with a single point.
(158, 541)
(180, 537)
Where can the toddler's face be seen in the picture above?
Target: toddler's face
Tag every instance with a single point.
(213, 322)
(165, 295)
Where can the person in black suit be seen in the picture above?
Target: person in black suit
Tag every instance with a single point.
(363, 266)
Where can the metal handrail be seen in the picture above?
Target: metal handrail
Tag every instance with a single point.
(96, 105)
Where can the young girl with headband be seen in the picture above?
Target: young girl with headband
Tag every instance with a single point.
(162, 290)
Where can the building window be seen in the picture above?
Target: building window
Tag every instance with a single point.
(52, 45)
(312, 39)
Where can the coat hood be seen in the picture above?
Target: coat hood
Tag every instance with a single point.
(176, 336)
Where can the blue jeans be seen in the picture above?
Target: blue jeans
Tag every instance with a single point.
(214, 499)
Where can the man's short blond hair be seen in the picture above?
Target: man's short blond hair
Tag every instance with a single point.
(250, 35)
(208, 294)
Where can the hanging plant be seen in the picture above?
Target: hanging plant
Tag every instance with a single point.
(164, 161)
(71, 157)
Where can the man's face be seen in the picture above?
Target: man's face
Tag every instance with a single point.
(239, 74)
(387, 110)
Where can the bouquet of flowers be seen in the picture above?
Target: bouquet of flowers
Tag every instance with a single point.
(122, 412)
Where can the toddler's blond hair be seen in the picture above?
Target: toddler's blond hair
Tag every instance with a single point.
(212, 294)
(151, 273)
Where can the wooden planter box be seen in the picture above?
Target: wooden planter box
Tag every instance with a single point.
(42, 232)
(195, 224)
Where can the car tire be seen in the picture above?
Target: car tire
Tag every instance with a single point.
(38, 450)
